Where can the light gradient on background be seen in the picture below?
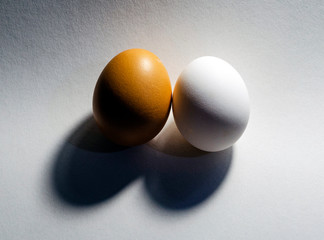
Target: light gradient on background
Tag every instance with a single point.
(52, 53)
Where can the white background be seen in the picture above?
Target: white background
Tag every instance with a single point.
(51, 54)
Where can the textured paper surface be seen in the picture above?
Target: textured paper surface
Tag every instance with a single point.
(52, 53)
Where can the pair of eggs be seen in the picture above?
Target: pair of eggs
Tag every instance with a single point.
(133, 97)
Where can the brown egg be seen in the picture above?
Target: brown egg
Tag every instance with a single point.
(132, 97)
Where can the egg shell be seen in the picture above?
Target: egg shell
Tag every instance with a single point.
(210, 104)
(132, 97)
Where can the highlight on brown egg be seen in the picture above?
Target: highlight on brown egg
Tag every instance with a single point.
(132, 97)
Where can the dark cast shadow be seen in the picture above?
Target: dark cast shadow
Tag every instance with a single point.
(180, 176)
(89, 169)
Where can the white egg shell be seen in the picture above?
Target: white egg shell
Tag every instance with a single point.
(210, 104)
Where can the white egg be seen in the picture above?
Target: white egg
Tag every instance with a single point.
(210, 104)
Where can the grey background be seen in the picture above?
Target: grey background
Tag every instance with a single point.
(51, 55)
